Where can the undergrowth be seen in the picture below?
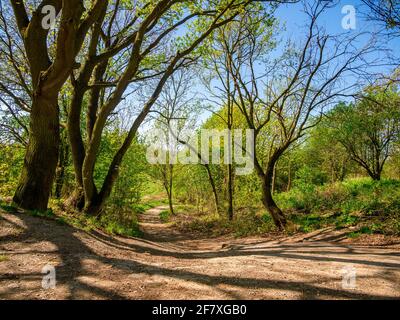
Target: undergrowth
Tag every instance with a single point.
(371, 206)
(245, 223)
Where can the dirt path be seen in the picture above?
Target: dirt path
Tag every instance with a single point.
(154, 230)
(97, 266)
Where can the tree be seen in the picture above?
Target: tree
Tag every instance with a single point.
(15, 85)
(48, 69)
(370, 128)
(324, 154)
(173, 111)
(217, 62)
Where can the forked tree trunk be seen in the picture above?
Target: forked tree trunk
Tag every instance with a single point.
(41, 156)
(376, 176)
(268, 200)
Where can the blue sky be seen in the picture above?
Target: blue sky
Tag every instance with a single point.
(295, 21)
(332, 19)
(294, 18)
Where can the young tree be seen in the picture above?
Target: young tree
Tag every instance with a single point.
(369, 129)
(217, 62)
(174, 110)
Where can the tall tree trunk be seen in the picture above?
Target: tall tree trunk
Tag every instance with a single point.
(41, 156)
(268, 200)
(77, 199)
(213, 187)
(230, 192)
(169, 188)
(62, 163)
(289, 184)
(170, 203)
(274, 179)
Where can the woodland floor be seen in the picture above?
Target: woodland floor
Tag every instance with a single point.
(166, 264)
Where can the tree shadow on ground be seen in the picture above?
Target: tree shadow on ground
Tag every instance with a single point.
(71, 249)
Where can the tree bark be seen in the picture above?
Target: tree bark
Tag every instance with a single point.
(268, 200)
(230, 192)
(289, 184)
(62, 163)
(48, 78)
(77, 199)
(41, 156)
(212, 183)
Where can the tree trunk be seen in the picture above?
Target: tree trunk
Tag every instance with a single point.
(62, 163)
(273, 179)
(94, 207)
(213, 187)
(170, 177)
(376, 176)
(41, 156)
(170, 203)
(268, 200)
(230, 192)
(289, 184)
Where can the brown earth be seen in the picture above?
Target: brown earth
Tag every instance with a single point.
(166, 264)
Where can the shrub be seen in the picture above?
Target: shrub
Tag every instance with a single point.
(354, 201)
(246, 222)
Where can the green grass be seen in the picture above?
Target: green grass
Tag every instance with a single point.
(149, 204)
(165, 216)
(3, 258)
(374, 205)
(119, 221)
(6, 207)
(246, 222)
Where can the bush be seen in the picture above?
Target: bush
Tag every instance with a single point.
(12, 157)
(375, 204)
(245, 223)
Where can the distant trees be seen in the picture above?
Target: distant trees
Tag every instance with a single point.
(173, 114)
(369, 129)
(326, 157)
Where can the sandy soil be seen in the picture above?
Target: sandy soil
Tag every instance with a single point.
(168, 265)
